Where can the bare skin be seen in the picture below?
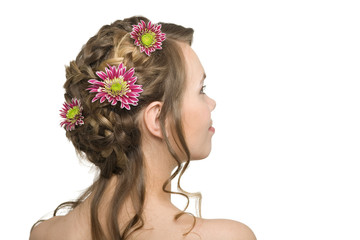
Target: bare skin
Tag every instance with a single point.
(159, 211)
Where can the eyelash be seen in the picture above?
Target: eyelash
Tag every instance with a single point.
(202, 91)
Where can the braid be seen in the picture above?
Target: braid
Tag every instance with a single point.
(106, 130)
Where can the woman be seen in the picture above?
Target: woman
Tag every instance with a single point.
(136, 108)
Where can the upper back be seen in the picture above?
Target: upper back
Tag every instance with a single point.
(62, 228)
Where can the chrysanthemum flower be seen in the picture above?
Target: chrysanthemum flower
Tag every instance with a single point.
(72, 114)
(149, 37)
(117, 86)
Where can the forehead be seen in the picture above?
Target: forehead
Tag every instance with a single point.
(194, 68)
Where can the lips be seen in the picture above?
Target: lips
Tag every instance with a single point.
(211, 128)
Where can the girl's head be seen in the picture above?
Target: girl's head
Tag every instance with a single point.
(172, 76)
(112, 138)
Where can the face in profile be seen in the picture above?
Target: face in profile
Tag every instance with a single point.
(196, 108)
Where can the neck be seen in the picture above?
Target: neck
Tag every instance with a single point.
(158, 168)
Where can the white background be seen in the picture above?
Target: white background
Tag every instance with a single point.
(285, 75)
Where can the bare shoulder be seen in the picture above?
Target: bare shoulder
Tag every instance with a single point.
(214, 229)
(46, 229)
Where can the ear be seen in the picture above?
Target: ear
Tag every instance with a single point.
(151, 118)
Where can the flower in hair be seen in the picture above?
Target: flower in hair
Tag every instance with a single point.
(148, 36)
(72, 114)
(118, 85)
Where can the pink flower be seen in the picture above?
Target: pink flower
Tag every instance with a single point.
(72, 114)
(117, 86)
(149, 37)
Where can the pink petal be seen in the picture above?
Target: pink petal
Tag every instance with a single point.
(125, 106)
(97, 96)
(93, 89)
(100, 94)
(147, 51)
(117, 73)
(131, 102)
(109, 73)
(136, 88)
(125, 100)
(94, 99)
(102, 75)
(128, 74)
(122, 71)
(132, 80)
(96, 82)
(102, 99)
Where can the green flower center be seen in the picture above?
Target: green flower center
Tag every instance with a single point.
(72, 112)
(148, 39)
(116, 87)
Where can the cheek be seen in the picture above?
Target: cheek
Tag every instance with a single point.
(197, 134)
(196, 121)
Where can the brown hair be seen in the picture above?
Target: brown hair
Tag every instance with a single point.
(110, 137)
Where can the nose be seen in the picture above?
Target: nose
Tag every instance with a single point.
(212, 103)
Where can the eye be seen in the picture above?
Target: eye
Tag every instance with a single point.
(202, 91)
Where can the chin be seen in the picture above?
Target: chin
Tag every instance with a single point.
(200, 156)
(197, 159)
